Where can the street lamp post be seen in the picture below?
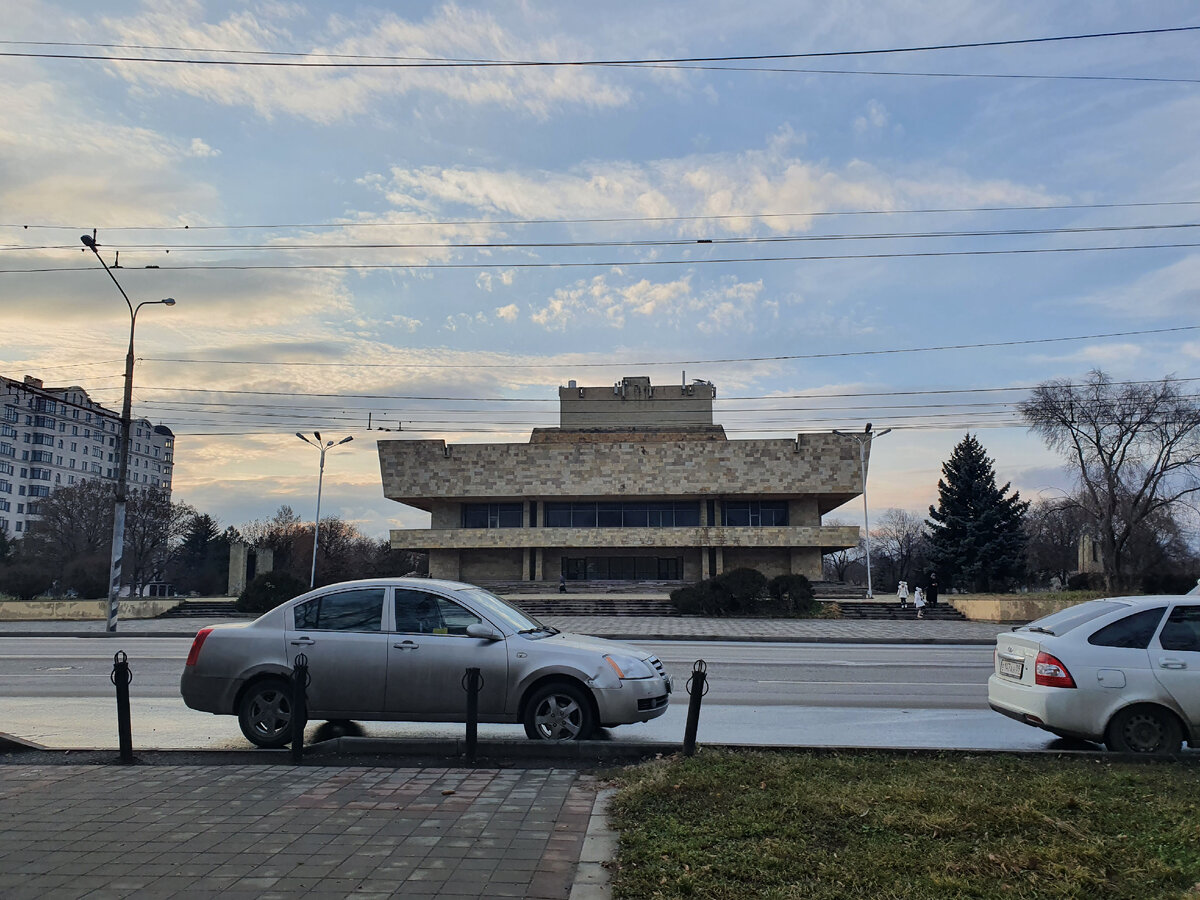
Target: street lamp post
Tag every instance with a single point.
(864, 441)
(118, 539)
(324, 448)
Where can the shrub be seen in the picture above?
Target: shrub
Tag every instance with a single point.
(744, 589)
(87, 576)
(268, 590)
(792, 594)
(701, 599)
(1085, 581)
(25, 580)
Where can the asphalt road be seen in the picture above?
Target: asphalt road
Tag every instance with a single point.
(56, 691)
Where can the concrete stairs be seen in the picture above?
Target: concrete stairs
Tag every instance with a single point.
(890, 611)
(206, 608)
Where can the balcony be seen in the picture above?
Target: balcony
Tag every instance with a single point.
(828, 538)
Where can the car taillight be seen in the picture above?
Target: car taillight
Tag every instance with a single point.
(1049, 671)
(197, 643)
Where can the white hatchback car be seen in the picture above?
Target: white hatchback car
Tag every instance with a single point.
(1124, 671)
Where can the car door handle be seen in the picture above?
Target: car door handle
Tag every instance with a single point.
(1170, 663)
(406, 645)
(303, 642)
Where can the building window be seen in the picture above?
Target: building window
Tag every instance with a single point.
(626, 514)
(622, 568)
(491, 515)
(8, 431)
(754, 513)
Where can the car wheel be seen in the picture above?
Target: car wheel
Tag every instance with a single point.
(559, 712)
(265, 713)
(1144, 729)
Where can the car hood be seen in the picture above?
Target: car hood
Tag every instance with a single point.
(572, 641)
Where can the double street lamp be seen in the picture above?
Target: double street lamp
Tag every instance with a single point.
(324, 448)
(118, 538)
(864, 441)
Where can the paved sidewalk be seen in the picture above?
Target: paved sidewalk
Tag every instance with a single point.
(265, 832)
(633, 628)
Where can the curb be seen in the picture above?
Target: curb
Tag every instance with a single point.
(703, 638)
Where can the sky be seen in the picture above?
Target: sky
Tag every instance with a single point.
(377, 230)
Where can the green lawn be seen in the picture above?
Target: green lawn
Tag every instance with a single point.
(878, 825)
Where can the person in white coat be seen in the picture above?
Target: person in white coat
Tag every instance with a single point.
(902, 593)
(919, 602)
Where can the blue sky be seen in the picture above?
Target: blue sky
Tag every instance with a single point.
(326, 161)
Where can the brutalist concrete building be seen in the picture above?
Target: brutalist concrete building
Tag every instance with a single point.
(636, 484)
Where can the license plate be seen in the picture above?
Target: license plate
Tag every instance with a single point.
(1012, 668)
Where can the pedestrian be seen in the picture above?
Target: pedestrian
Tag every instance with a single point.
(902, 593)
(919, 602)
(562, 584)
(931, 594)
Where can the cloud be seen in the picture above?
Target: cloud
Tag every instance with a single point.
(605, 300)
(1171, 290)
(327, 94)
(508, 313)
(489, 280)
(874, 118)
(201, 150)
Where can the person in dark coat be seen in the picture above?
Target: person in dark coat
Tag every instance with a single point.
(931, 592)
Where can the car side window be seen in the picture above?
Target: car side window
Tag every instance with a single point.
(1131, 632)
(419, 612)
(1182, 631)
(356, 610)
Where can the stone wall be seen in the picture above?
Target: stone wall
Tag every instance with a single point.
(82, 610)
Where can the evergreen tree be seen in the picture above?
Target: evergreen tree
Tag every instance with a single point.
(977, 537)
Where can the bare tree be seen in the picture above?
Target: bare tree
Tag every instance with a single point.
(1134, 447)
(834, 565)
(154, 527)
(1052, 532)
(898, 542)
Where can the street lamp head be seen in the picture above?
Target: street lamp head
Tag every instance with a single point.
(88, 240)
(867, 430)
(168, 301)
(317, 435)
(346, 440)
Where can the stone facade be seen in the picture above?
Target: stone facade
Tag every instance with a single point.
(609, 456)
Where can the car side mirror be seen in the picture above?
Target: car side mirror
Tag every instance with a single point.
(483, 632)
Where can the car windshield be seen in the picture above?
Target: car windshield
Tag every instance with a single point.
(1072, 617)
(510, 615)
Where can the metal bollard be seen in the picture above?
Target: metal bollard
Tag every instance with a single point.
(697, 687)
(472, 684)
(300, 682)
(121, 678)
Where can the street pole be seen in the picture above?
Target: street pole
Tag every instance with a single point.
(864, 441)
(118, 538)
(324, 448)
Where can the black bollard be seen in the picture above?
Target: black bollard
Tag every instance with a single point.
(300, 680)
(121, 677)
(472, 684)
(697, 687)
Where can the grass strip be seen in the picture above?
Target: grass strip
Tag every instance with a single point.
(821, 824)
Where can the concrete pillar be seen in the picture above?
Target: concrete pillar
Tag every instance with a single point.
(525, 565)
(238, 558)
(539, 559)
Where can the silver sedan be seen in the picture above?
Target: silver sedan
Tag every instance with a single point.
(397, 649)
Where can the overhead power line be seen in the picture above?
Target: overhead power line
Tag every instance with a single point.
(454, 223)
(356, 61)
(648, 242)
(611, 264)
(674, 362)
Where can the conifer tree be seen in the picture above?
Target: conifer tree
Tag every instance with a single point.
(976, 534)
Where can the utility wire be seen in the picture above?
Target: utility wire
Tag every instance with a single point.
(609, 264)
(674, 362)
(648, 242)
(356, 61)
(621, 219)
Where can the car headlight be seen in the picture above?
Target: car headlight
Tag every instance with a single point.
(628, 667)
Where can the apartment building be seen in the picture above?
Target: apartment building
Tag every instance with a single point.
(636, 484)
(51, 437)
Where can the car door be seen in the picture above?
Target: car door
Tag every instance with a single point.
(428, 655)
(1176, 659)
(341, 634)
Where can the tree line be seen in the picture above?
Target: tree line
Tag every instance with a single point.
(66, 550)
(1133, 450)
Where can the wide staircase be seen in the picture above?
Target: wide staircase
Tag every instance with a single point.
(890, 610)
(206, 608)
(590, 598)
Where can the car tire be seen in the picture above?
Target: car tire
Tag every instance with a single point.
(559, 711)
(1144, 729)
(265, 713)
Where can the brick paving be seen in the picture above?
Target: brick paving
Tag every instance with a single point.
(269, 832)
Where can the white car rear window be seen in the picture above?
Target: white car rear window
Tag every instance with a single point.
(1073, 616)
